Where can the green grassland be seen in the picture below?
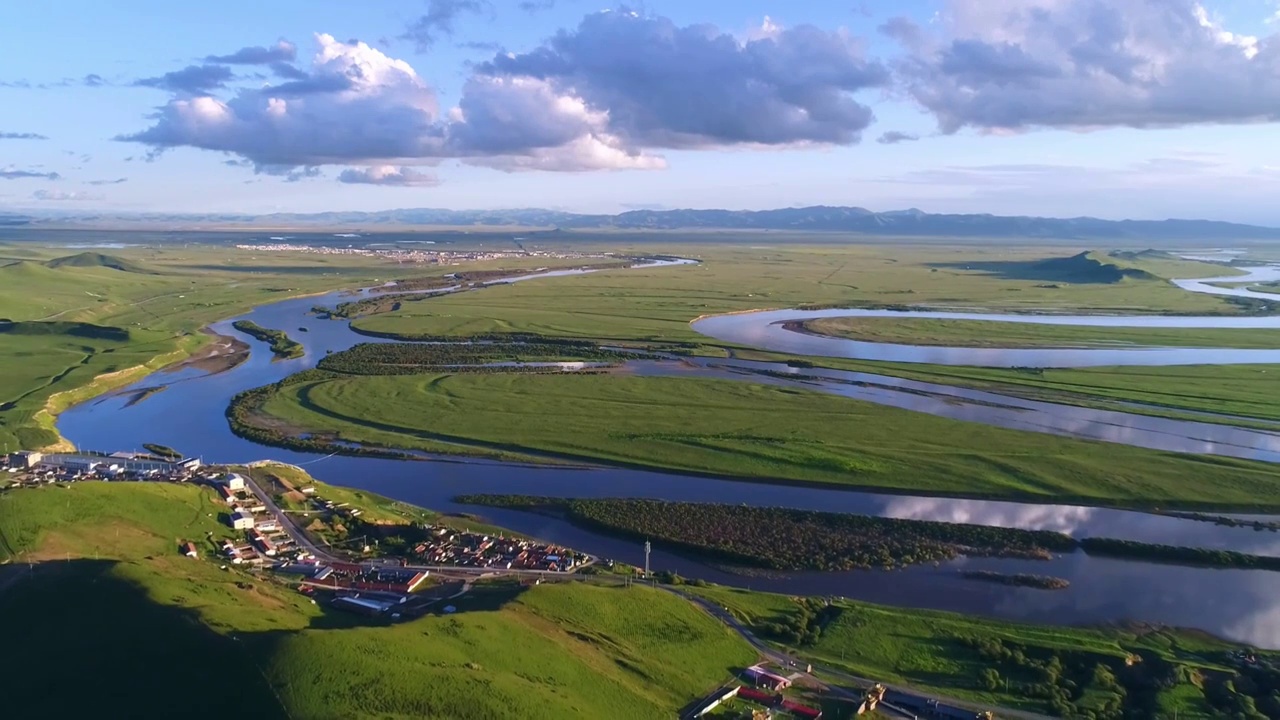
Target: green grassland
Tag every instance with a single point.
(981, 333)
(935, 650)
(150, 304)
(1232, 391)
(754, 431)
(143, 628)
(658, 303)
(108, 576)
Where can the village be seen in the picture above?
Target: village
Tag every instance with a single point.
(420, 256)
(359, 578)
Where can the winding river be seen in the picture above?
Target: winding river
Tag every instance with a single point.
(1243, 605)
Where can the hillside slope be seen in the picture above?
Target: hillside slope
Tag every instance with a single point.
(139, 610)
(95, 259)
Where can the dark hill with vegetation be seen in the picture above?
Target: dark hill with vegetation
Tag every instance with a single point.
(94, 259)
(74, 329)
(1084, 268)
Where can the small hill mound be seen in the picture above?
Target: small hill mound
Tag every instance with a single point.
(1084, 268)
(73, 329)
(94, 259)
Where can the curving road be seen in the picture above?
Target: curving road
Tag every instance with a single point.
(774, 655)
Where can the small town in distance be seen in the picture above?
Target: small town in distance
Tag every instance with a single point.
(394, 572)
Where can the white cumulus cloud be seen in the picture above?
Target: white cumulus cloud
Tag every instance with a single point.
(1000, 65)
(609, 94)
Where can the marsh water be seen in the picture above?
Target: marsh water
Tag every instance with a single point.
(188, 414)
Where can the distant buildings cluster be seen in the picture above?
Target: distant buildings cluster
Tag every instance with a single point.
(448, 546)
(33, 467)
(430, 257)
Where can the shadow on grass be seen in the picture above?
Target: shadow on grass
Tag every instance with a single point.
(1075, 269)
(83, 642)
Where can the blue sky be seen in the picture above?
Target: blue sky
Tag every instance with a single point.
(1142, 109)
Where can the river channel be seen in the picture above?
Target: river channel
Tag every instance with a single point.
(1240, 604)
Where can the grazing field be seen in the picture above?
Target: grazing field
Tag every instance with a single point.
(980, 333)
(956, 654)
(752, 431)
(551, 651)
(543, 652)
(658, 303)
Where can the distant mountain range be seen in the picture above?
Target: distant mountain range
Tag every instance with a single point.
(855, 220)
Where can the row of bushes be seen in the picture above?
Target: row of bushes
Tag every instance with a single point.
(790, 539)
(787, 539)
(413, 358)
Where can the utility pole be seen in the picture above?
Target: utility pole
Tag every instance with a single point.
(647, 549)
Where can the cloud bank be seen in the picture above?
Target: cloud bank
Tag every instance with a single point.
(608, 94)
(622, 87)
(999, 65)
(22, 136)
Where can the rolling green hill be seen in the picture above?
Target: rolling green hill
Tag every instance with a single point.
(71, 329)
(111, 602)
(94, 259)
(1086, 268)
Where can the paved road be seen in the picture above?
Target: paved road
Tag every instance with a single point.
(774, 655)
(286, 522)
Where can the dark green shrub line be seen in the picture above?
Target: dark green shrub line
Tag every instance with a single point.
(786, 539)
(1039, 582)
(789, 539)
(281, 344)
(415, 358)
(1205, 557)
(1224, 520)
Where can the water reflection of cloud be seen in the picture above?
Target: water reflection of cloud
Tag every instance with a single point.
(1261, 628)
(1059, 518)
